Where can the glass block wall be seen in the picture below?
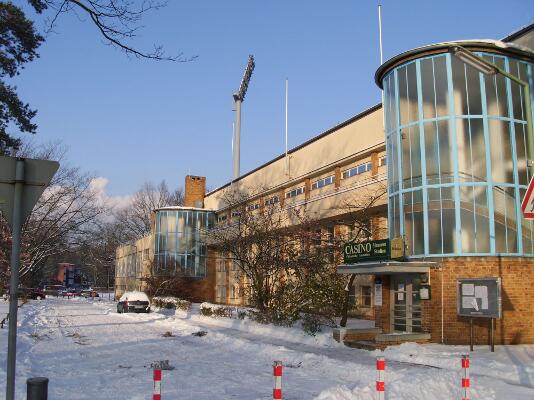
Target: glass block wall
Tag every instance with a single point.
(457, 168)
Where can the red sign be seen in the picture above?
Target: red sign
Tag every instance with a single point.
(527, 205)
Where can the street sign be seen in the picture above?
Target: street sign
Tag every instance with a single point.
(527, 205)
(37, 176)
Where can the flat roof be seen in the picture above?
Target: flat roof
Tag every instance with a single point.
(494, 46)
(171, 208)
(300, 146)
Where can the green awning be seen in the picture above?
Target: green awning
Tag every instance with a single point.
(386, 267)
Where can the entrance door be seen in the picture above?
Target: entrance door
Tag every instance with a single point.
(406, 305)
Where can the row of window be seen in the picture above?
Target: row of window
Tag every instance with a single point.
(329, 180)
(357, 170)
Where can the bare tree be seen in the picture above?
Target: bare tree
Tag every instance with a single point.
(135, 221)
(286, 265)
(357, 213)
(66, 212)
(117, 21)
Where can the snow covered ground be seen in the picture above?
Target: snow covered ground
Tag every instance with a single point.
(90, 352)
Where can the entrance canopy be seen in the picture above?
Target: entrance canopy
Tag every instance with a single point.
(386, 267)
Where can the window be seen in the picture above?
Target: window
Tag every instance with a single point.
(147, 254)
(352, 296)
(221, 291)
(323, 182)
(365, 296)
(236, 214)
(221, 265)
(382, 161)
(357, 170)
(222, 218)
(271, 201)
(234, 292)
(295, 192)
(253, 207)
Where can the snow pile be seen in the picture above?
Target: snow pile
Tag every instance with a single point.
(87, 349)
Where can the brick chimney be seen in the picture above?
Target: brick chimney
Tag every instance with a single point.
(195, 190)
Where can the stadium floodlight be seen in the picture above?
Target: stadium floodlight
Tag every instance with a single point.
(239, 97)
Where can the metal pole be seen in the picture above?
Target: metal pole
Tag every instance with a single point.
(287, 160)
(470, 334)
(237, 145)
(530, 133)
(492, 335)
(14, 282)
(380, 32)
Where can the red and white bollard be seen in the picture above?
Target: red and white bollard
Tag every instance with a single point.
(466, 382)
(380, 384)
(157, 385)
(277, 372)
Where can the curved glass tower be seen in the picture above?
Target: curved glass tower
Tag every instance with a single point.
(180, 244)
(456, 145)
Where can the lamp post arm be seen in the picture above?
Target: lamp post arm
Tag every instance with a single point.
(528, 104)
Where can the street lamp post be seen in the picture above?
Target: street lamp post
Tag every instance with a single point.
(488, 68)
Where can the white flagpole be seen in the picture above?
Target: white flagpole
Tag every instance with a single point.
(287, 160)
(380, 32)
(233, 136)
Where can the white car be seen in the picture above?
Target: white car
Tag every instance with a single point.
(133, 302)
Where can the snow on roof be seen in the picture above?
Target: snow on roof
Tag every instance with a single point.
(170, 208)
(134, 296)
(443, 46)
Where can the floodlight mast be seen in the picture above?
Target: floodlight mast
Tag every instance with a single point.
(239, 97)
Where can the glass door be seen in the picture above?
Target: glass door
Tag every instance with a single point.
(406, 305)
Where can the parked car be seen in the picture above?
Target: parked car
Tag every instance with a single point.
(53, 290)
(133, 302)
(87, 293)
(69, 293)
(31, 293)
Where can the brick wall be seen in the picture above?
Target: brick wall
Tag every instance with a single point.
(203, 289)
(382, 313)
(195, 190)
(517, 322)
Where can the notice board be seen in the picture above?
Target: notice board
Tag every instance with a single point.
(479, 297)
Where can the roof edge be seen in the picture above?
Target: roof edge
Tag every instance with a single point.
(300, 146)
(495, 46)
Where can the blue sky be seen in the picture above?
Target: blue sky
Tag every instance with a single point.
(131, 120)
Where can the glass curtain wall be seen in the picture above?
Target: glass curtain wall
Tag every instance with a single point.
(457, 165)
(180, 244)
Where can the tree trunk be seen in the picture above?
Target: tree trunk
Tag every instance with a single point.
(345, 311)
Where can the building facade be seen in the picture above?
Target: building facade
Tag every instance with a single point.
(457, 150)
(176, 247)
(450, 146)
(326, 179)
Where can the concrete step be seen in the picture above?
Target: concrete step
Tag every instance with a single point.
(363, 345)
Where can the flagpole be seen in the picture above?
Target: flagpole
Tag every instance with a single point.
(287, 159)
